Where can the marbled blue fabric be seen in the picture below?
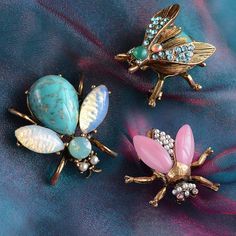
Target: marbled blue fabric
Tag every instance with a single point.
(54, 102)
(41, 37)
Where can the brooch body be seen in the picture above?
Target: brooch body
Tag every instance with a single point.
(171, 161)
(56, 110)
(168, 51)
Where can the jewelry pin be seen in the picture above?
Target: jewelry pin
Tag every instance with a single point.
(57, 111)
(168, 51)
(172, 162)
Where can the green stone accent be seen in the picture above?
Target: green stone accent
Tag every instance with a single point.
(140, 53)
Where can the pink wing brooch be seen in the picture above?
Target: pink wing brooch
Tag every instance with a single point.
(172, 162)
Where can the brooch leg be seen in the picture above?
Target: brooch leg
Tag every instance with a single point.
(156, 91)
(58, 171)
(81, 86)
(140, 180)
(23, 116)
(202, 158)
(205, 182)
(158, 197)
(102, 147)
(191, 82)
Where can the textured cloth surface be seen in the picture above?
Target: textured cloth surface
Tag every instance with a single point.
(69, 37)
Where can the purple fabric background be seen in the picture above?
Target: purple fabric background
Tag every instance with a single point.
(69, 37)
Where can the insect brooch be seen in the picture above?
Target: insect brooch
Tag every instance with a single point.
(54, 103)
(168, 51)
(171, 162)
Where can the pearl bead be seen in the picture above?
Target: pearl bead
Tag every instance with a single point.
(185, 186)
(174, 191)
(167, 147)
(163, 133)
(162, 138)
(186, 193)
(94, 160)
(195, 191)
(83, 166)
(170, 151)
(179, 189)
(167, 136)
(171, 145)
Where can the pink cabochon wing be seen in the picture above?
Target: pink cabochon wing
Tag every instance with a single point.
(152, 154)
(184, 145)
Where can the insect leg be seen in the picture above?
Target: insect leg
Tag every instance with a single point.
(156, 91)
(102, 147)
(140, 180)
(158, 197)
(17, 113)
(81, 86)
(205, 182)
(202, 158)
(58, 171)
(191, 82)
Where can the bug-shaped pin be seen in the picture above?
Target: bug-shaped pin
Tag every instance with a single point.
(171, 161)
(167, 51)
(54, 103)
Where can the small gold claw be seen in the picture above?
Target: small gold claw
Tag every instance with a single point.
(153, 203)
(209, 151)
(197, 87)
(129, 179)
(152, 102)
(216, 187)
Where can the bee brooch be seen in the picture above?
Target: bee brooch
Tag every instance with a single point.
(54, 103)
(171, 161)
(168, 51)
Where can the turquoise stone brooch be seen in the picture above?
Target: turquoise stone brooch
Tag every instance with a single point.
(56, 110)
(168, 51)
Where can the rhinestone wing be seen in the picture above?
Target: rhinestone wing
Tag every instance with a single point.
(160, 21)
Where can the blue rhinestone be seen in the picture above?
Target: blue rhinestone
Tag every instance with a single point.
(150, 25)
(154, 32)
(190, 47)
(153, 19)
(154, 56)
(178, 49)
(162, 23)
(158, 17)
(155, 22)
(160, 54)
(184, 48)
(189, 54)
(169, 57)
(168, 52)
(165, 19)
(145, 42)
(150, 36)
(158, 26)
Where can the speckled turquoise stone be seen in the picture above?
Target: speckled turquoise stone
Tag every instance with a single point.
(140, 53)
(54, 102)
(80, 147)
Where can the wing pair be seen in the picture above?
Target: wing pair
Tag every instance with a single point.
(154, 155)
(178, 48)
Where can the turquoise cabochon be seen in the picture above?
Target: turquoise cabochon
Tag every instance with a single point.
(54, 102)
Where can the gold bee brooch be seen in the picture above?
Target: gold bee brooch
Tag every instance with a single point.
(168, 51)
(172, 162)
